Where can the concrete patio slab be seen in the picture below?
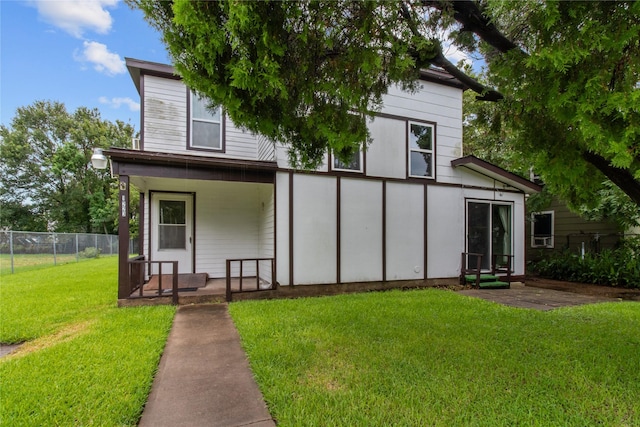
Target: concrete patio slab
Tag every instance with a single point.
(536, 298)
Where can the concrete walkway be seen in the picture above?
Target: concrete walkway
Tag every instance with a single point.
(204, 378)
(534, 297)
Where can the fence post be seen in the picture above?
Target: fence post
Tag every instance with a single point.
(11, 249)
(53, 235)
(77, 254)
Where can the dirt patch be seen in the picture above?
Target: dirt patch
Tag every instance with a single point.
(585, 288)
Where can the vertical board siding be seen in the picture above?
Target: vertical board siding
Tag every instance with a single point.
(446, 223)
(360, 230)
(387, 154)
(282, 226)
(405, 231)
(314, 237)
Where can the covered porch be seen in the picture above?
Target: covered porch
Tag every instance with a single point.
(195, 213)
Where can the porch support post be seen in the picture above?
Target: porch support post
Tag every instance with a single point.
(123, 238)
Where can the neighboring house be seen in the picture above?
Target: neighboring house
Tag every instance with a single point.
(403, 210)
(557, 229)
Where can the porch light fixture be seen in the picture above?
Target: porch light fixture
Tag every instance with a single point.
(98, 159)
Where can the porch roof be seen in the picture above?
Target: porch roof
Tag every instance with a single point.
(497, 173)
(165, 165)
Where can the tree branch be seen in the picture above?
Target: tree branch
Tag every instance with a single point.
(472, 19)
(623, 178)
(486, 93)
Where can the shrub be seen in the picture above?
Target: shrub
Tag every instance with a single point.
(616, 267)
(90, 252)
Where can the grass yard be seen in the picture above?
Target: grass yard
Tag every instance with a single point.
(28, 262)
(437, 358)
(85, 361)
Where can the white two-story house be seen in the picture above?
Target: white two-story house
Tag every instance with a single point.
(404, 210)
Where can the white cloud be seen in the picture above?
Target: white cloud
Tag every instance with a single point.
(118, 102)
(453, 54)
(77, 16)
(103, 61)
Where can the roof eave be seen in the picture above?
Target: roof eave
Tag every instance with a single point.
(497, 173)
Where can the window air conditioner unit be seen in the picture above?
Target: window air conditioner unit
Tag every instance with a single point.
(542, 241)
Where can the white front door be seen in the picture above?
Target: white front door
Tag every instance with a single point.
(172, 231)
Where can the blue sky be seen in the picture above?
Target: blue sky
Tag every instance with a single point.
(73, 52)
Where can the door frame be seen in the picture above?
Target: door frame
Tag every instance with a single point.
(153, 236)
(491, 203)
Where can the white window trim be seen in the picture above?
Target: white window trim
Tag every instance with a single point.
(543, 242)
(360, 170)
(421, 150)
(193, 96)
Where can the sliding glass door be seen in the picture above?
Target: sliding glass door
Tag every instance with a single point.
(489, 231)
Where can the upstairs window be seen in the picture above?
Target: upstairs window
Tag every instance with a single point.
(542, 230)
(421, 145)
(355, 165)
(205, 125)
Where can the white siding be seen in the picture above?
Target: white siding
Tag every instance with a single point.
(445, 232)
(165, 123)
(405, 231)
(165, 115)
(314, 229)
(447, 225)
(266, 229)
(433, 103)
(282, 227)
(227, 225)
(387, 154)
(360, 230)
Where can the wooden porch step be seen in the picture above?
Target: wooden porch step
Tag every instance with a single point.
(494, 285)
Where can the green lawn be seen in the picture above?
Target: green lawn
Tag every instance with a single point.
(437, 358)
(85, 361)
(28, 262)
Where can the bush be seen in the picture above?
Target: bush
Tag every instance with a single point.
(616, 267)
(90, 252)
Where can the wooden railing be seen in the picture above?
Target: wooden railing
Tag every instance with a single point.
(271, 285)
(500, 264)
(466, 269)
(136, 277)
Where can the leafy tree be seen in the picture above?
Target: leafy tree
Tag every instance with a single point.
(46, 181)
(309, 73)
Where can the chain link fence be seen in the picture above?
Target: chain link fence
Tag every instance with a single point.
(580, 244)
(20, 250)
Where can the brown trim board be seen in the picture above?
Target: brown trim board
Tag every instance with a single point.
(426, 231)
(497, 173)
(123, 237)
(290, 228)
(338, 224)
(384, 230)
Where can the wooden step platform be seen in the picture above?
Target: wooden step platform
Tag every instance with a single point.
(487, 281)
